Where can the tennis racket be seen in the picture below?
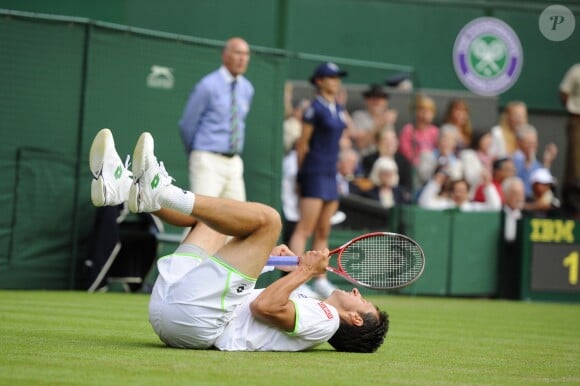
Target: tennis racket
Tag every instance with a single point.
(379, 260)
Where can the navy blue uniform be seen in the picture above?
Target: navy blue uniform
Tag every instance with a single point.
(317, 175)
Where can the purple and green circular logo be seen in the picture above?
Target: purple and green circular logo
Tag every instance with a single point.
(487, 56)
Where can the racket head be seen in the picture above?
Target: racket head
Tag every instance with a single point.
(381, 260)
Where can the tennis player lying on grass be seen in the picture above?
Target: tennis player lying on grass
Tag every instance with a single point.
(204, 295)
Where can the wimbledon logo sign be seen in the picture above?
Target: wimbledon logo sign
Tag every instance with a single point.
(487, 56)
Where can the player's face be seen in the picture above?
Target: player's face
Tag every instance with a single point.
(353, 301)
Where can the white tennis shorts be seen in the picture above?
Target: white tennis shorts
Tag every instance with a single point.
(194, 297)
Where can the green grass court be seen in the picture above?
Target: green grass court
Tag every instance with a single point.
(74, 338)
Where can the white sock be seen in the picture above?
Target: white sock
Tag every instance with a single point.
(177, 199)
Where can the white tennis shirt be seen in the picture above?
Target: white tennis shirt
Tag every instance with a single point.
(316, 322)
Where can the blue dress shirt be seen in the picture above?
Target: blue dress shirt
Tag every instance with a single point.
(523, 171)
(205, 124)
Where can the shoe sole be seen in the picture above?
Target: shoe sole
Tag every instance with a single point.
(140, 163)
(102, 141)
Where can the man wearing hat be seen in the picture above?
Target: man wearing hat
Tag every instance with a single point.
(373, 119)
(543, 198)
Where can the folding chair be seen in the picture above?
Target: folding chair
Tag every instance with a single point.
(123, 249)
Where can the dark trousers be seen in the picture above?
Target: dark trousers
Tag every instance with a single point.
(509, 277)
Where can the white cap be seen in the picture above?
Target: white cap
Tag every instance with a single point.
(541, 176)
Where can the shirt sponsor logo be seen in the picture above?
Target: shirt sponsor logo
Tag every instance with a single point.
(487, 56)
(326, 310)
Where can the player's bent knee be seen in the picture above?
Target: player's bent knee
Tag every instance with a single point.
(271, 218)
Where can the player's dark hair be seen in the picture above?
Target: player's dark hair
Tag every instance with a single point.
(364, 339)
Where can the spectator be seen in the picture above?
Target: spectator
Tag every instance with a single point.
(388, 146)
(441, 158)
(504, 143)
(292, 125)
(289, 195)
(401, 81)
(386, 190)
(317, 150)
(459, 198)
(509, 264)
(457, 118)
(292, 130)
(421, 136)
(570, 94)
(348, 167)
(345, 140)
(503, 168)
(542, 199)
(288, 103)
(482, 146)
(513, 191)
(525, 157)
(213, 125)
(374, 118)
(472, 169)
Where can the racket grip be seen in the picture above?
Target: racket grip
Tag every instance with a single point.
(282, 260)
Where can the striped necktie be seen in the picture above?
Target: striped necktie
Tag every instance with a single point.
(234, 122)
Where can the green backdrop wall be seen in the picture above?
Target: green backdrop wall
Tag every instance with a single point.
(62, 81)
(40, 96)
(419, 33)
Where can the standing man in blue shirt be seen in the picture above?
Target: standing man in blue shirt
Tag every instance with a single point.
(213, 125)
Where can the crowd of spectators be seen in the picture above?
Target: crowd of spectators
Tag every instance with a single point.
(444, 164)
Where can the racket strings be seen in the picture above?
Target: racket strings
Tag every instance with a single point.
(383, 261)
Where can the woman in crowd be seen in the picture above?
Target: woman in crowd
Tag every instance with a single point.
(457, 118)
(421, 136)
(504, 140)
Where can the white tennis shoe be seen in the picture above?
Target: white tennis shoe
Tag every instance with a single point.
(149, 177)
(111, 179)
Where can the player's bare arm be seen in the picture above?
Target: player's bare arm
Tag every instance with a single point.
(273, 305)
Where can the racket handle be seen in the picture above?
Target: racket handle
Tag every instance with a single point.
(282, 260)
